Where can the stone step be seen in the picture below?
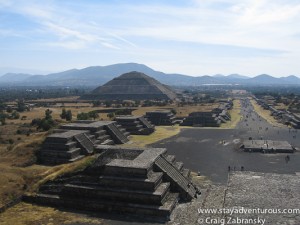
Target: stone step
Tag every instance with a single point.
(179, 165)
(91, 137)
(118, 136)
(86, 144)
(137, 132)
(135, 196)
(161, 213)
(171, 158)
(76, 158)
(59, 160)
(50, 189)
(126, 134)
(179, 182)
(129, 123)
(59, 146)
(100, 133)
(103, 138)
(130, 128)
(60, 154)
(186, 172)
(149, 184)
(145, 122)
(108, 142)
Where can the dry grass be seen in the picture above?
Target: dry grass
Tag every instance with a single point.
(63, 99)
(266, 114)
(235, 114)
(18, 170)
(181, 111)
(28, 214)
(16, 174)
(161, 132)
(56, 171)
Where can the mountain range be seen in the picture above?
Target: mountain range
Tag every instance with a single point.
(98, 75)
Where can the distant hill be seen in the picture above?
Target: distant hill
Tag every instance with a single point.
(14, 77)
(99, 75)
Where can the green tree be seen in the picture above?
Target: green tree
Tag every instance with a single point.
(93, 114)
(69, 115)
(21, 106)
(2, 118)
(63, 114)
(15, 115)
(83, 116)
(108, 103)
(111, 115)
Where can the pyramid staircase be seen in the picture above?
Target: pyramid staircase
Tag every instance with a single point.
(118, 133)
(123, 181)
(136, 125)
(173, 172)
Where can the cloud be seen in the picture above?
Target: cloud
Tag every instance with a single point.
(66, 25)
(175, 32)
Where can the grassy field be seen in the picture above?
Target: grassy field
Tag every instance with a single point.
(20, 174)
(266, 114)
(182, 111)
(235, 114)
(161, 132)
(28, 214)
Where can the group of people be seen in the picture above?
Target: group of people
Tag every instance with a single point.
(235, 169)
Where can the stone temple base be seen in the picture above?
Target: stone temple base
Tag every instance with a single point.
(139, 181)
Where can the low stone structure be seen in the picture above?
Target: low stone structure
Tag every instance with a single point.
(101, 130)
(161, 118)
(64, 147)
(75, 140)
(202, 119)
(137, 125)
(267, 146)
(139, 181)
(212, 118)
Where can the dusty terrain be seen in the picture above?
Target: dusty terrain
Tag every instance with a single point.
(20, 174)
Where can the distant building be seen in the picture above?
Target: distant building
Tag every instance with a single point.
(158, 118)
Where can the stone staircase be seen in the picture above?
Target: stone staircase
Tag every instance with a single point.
(135, 125)
(86, 144)
(118, 135)
(102, 138)
(173, 173)
(146, 123)
(161, 118)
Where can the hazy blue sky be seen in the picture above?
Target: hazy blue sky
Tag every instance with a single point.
(194, 37)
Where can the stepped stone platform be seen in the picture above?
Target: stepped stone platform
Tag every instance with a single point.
(138, 181)
(202, 119)
(161, 118)
(64, 147)
(212, 118)
(136, 125)
(75, 140)
(267, 146)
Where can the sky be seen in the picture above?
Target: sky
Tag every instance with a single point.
(192, 37)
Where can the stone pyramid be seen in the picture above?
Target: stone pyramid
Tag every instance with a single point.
(132, 86)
